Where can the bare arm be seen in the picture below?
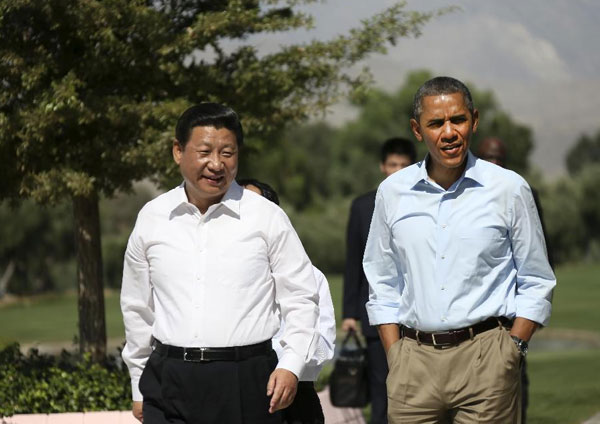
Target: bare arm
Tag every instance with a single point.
(389, 334)
(523, 328)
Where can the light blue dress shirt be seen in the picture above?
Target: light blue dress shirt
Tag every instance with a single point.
(445, 259)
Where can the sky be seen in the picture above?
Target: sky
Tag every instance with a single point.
(539, 57)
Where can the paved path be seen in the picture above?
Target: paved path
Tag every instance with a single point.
(594, 420)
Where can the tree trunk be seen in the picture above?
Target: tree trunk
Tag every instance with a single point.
(6, 276)
(92, 327)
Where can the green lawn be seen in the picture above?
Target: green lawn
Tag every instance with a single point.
(576, 301)
(565, 385)
(52, 318)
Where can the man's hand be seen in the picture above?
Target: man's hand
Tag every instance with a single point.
(137, 410)
(282, 389)
(389, 334)
(349, 324)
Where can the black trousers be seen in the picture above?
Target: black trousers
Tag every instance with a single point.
(306, 407)
(377, 372)
(217, 392)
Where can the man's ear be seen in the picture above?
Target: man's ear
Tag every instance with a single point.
(475, 119)
(416, 129)
(177, 151)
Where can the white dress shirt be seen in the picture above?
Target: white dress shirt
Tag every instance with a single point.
(218, 279)
(445, 259)
(326, 326)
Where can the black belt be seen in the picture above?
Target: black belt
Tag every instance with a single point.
(205, 354)
(453, 337)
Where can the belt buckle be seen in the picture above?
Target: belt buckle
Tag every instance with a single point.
(441, 345)
(202, 359)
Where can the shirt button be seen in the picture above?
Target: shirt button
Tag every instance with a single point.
(443, 319)
(443, 225)
(443, 257)
(443, 288)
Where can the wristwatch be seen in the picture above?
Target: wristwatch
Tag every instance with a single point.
(522, 345)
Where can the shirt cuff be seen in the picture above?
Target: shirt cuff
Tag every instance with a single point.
(382, 314)
(293, 363)
(537, 310)
(136, 395)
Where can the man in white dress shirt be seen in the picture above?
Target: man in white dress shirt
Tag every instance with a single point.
(206, 267)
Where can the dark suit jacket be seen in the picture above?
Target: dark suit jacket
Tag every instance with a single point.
(356, 286)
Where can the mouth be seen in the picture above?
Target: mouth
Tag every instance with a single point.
(452, 149)
(213, 180)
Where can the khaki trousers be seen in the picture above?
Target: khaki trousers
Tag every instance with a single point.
(477, 381)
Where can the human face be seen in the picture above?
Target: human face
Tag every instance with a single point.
(394, 162)
(492, 151)
(446, 126)
(208, 164)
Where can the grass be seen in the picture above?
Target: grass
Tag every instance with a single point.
(576, 303)
(52, 318)
(565, 385)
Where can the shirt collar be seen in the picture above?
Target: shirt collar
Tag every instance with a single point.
(231, 199)
(472, 171)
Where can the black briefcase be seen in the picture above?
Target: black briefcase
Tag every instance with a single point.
(348, 383)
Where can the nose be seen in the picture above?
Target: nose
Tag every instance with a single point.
(448, 133)
(214, 163)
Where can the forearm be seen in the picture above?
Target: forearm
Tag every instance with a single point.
(523, 328)
(389, 334)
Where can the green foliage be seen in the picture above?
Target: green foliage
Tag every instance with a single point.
(564, 228)
(35, 239)
(322, 229)
(92, 89)
(589, 203)
(38, 240)
(586, 151)
(36, 383)
(572, 214)
(317, 168)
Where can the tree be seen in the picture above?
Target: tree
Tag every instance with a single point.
(589, 204)
(90, 90)
(585, 151)
(352, 151)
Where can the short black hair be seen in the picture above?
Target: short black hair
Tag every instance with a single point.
(208, 114)
(266, 190)
(437, 86)
(399, 146)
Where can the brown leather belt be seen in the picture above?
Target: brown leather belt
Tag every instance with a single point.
(206, 354)
(453, 337)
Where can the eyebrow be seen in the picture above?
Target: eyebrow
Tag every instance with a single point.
(441, 120)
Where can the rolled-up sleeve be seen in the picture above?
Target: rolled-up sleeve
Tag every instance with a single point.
(381, 268)
(138, 309)
(535, 279)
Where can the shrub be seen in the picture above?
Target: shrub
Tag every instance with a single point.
(39, 383)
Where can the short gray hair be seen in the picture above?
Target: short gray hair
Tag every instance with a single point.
(438, 86)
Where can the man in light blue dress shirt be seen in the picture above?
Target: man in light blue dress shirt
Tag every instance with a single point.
(458, 272)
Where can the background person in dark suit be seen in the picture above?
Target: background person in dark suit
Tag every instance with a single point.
(396, 153)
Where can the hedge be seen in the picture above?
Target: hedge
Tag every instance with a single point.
(40, 383)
